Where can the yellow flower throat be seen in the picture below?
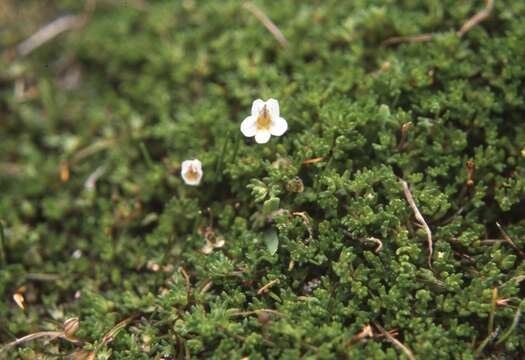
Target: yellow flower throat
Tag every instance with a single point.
(263, 119)
(191, 174)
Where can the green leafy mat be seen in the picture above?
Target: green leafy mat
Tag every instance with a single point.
(307, 247)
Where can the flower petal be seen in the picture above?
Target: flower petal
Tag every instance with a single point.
(262, 137)
(185, 166)
(191, 172)
(192, 182)
(273, 107)
(197, 166)
(248, 126)
(257, 106)
(279, 126)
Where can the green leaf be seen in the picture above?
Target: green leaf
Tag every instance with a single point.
(271, 205)
(271, 239)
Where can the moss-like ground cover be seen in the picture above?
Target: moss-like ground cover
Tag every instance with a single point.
(97, 223)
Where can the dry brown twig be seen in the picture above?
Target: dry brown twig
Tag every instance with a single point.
(367, 332)
(92, 149)
(410, 39)
(268, 24)
(313, 160)
(188, 285)
(507, 238)
(395, 342)
(91, 181)
(55, 28)
(306, 223)
(467, 25)
(477, 18)
(404, 135)
(265, 288)
(419, 218)
(257, 312)
(108, 337)
(470, 173)
(207, 286)
(66, 334)
(375, 240)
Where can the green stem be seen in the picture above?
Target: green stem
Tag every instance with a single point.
(511, 328)
(236, 148)
(218, 168)
(146, 155)
(2, 244)
(485, 342)
(493, 310)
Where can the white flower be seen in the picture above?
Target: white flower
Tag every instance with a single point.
(264, 121)
(191, 172)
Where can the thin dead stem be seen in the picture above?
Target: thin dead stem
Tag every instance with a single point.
(478, 18)
(109, 336)
(306, 223)
(467, 25)
(265, 288)
(91, 181)
(404, 135)
(40, 334)
(511, 328)
(206, 287)
(188, 285)
(419, 218)
(257, 312)
(313, 160)
(493, 305)
(92, 149)
(268, 24)
(395, 342)
(410, 39)
(55, 28)
(377, 241)
(507, 238)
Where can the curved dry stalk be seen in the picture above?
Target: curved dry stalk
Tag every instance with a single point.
(108, 337)
(377, 241)
(395, 342)
(257, 312)
(476, 19)
(206, 287)
(410, 39)
(507, 238)
(367, 332)
(306, 222)
(47, 33)
(467, 25)
(55, 28)
(188, 285)
(91, 181)
(511, 328)
(268, 24)
(50, 334)
(265, 288)
(419, 218)
(92, 149)
(492, 314)
(312, 161)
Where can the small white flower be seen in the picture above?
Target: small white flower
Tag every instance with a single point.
(264, 121)
(191, 172)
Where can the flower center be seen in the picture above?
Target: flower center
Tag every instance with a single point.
(191, 174)
(263, 119)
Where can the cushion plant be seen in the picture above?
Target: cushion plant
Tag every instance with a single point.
(387, 222)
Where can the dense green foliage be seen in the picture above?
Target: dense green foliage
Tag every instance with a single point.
(145, 85)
